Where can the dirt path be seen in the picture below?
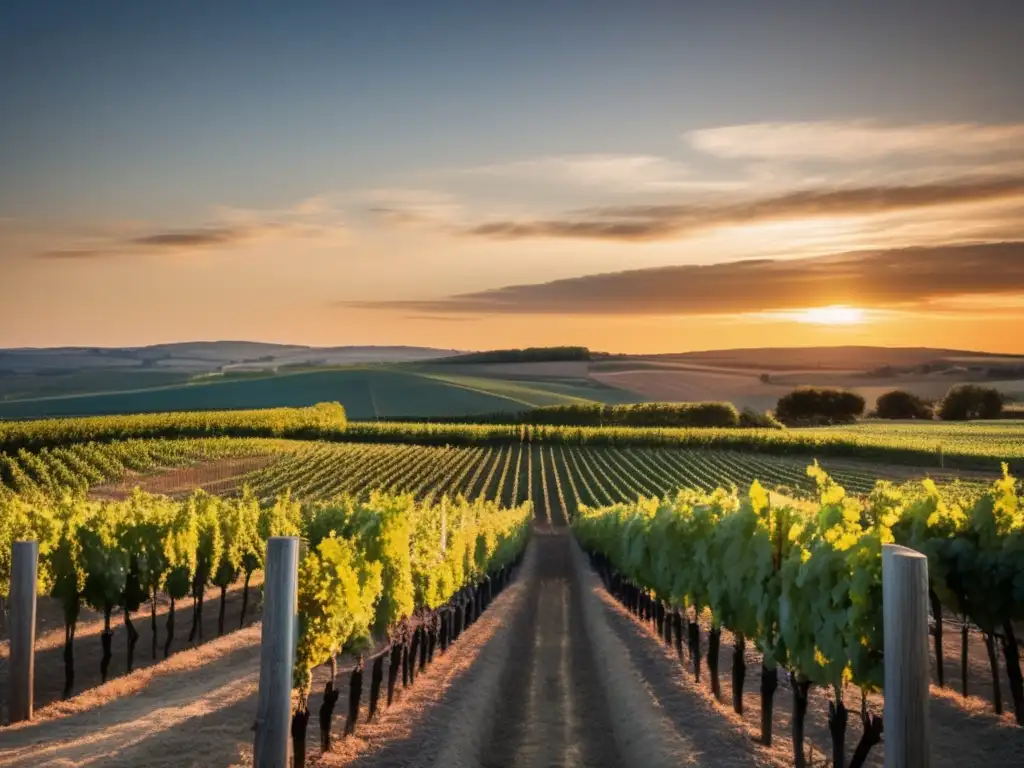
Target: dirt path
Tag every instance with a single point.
(562, 685)
(554, 710)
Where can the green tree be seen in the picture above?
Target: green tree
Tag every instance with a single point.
(970, 401)
(899, 404)
(810, 406)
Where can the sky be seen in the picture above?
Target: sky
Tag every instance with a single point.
(633, 177)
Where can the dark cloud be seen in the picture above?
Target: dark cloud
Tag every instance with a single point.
(195, 238)
(71, 254)
(658, 222)
(427, 318)
(887, 278)
(165, 241)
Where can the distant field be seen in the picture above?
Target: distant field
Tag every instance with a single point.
(678, 382)
(541, 391)
(23, 386)
(366, 394)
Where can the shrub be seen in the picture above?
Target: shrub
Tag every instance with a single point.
(528, 355)
(638, 415)
(759, 419)
(814, 406)
(899, 404)
(970, 401)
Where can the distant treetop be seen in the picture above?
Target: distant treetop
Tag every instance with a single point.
(528, 355)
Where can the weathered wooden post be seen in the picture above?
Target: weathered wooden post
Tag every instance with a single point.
(277, 653)
(24, 571)
(905, 618)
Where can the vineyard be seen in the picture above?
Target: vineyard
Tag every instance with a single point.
(404, 544)
(416, 574)
(557, 479)
(976, 446)
(804, 583)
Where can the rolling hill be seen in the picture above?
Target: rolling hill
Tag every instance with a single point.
(422, 382)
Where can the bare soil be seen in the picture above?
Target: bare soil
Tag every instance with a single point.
(49, 670)
(673, 381)
(221, 476)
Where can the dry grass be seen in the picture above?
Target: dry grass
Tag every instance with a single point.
(181, 712)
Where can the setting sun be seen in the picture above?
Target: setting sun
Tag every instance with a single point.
(832, 315)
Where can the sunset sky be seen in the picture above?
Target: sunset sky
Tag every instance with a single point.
(630, 176)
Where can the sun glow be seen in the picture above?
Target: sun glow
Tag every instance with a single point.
(836, 314)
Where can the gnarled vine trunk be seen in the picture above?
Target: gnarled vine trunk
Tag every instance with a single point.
(801, 689)
(714, 645)
(133, 639)
(677, 625)
(245, 599)
(769, 683)
(220, 613)
(939, 658)
(394, 664)
(325, 714)
(300, 719)
(196, 631)
(963, 658)
(694, 638)
(69, 659)
(405, 665)
(152, 622)
(837, 718)
(739, 672)
(870, 736)
(170, 630)
(993, 663)
(106, 640)
(355, 693)
(376, 676)
(1011, 654)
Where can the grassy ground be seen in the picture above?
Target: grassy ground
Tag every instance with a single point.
(22, 386)
(536, 392)
(366, 393)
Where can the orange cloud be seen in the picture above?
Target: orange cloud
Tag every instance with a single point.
(660, 222)
(857, 140)
(904, 277)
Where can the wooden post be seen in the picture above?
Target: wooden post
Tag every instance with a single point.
(25, 558)
(905, 618)
(277, 653)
